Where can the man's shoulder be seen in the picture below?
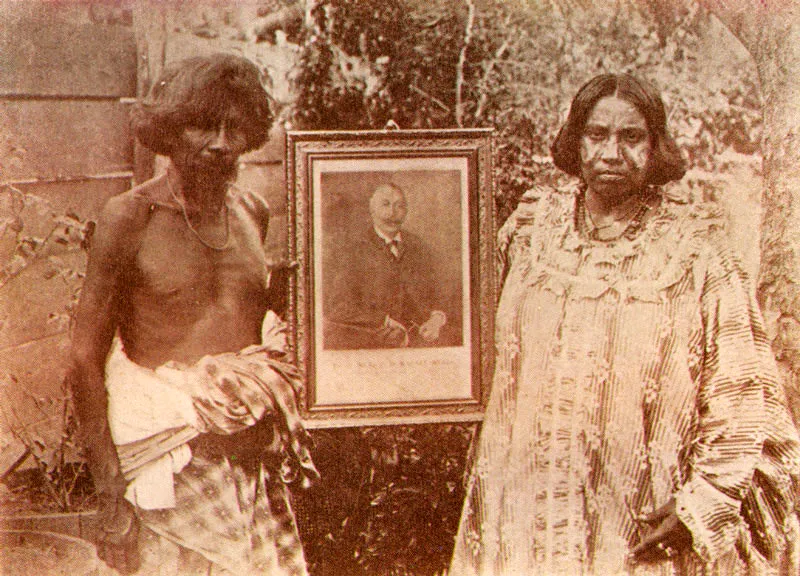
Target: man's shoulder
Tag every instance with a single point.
(124, 217)
(412, 238)
(414, 243)
(132, 208)
(362, 237)
(155, 191)
(357, 245)
(250, 206)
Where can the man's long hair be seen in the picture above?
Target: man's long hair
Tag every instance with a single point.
(200, 91)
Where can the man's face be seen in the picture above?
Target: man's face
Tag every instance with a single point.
(388, 209)
(211, 149)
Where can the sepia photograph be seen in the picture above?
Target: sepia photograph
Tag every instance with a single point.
(399, 287)
(393, 313)
(362, 286)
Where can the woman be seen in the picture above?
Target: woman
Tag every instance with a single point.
(636, 424)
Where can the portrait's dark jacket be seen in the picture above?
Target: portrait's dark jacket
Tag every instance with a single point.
(370, 283)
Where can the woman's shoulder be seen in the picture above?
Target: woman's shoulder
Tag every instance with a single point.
(704, 221)
(699, 234)
(542, 200)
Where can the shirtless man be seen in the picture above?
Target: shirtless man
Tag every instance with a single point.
(177, 270)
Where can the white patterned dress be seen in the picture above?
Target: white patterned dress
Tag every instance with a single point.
(628, 372)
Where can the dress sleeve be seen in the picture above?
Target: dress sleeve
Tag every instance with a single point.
(737, 397)
(515, 233)
(504, 237)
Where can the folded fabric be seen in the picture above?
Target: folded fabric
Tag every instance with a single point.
(154, 413)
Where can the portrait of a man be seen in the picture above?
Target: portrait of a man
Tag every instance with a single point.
(384, 286)
(388, 289)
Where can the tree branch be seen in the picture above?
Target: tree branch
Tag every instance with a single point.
(432, 98)
(462, 59)
(489, 68)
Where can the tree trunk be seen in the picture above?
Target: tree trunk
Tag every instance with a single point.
(770, 31)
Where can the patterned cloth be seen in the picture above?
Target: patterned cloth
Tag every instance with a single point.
(239, 520)
(235, 512)
(628, 372)
(153, 414)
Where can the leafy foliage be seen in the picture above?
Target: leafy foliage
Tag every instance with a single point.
(62, 473)
(389, 500)
(42, 249)
(514, 67)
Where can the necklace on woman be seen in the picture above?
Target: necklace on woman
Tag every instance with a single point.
(624, 219)
(631, 219)
(225, 245)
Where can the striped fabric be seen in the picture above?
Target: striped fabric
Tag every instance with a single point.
(627, 372)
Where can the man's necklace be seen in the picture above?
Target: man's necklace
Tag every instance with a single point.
(225, 244)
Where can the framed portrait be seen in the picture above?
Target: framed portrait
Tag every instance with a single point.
(391, 309)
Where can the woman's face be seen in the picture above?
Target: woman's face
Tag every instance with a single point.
(615, 149)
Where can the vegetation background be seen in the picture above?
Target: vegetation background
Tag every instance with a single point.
(390, 496)
(512, 66)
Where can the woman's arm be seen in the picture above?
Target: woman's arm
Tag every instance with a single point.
(737, 380)
(515, 234)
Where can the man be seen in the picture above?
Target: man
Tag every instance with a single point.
(383, 291)
(188, 416)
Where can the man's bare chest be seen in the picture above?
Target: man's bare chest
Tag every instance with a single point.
(174, 263)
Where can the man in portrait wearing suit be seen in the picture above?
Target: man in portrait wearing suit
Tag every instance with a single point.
(383, 290)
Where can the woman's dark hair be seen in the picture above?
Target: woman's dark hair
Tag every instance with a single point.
(666, 163)
(200, 91)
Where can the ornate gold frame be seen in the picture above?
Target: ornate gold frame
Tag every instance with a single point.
(310, 156)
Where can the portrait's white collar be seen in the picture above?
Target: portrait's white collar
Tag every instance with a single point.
(398, 237)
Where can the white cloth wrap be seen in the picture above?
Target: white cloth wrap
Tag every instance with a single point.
(143, 402)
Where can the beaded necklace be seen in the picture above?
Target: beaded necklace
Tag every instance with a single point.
(635, 218)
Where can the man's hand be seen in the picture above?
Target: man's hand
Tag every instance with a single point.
(667, 538)
(393, 333)
(430, 329)
(118, 534)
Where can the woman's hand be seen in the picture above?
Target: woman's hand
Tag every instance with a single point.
(667, 537)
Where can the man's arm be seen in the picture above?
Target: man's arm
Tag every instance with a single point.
(425, 291)
(111, 256)
(357, 286)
